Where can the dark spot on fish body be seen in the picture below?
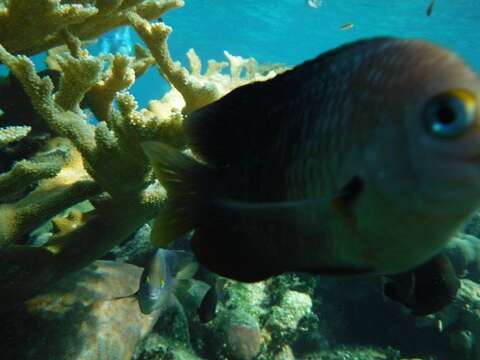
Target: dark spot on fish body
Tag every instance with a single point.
(344, 202)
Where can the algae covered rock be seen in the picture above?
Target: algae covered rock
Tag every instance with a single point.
(292, 308)
(472, 227)
(156, 347)
(462, 342)
(284, 318)
(81, 317)
(461, 322)
(234, 334)
(355, 354)
(243, 338)
(250, 298)
(464, 252)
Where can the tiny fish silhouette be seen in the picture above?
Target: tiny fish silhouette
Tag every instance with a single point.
(346, 26)
(430, 8)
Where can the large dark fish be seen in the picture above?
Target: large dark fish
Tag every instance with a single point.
(364, 160)
(427, 288)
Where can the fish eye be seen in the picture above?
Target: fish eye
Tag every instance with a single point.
(451, 113)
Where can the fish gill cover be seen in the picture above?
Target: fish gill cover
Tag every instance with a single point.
(76, 185)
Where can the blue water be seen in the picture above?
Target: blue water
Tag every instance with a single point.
(289, 31)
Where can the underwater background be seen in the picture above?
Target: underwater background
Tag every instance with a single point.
(92, 312)
(290, 31)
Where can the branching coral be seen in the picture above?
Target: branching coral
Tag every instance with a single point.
(196, 89)
(124, 176)
(10, 134)
(42, 21)
(102, 163)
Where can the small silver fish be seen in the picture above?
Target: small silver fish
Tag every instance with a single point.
(208, 306)
(346, 26)
(167, 270)
(314, 4)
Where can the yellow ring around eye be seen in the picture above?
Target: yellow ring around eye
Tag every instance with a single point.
(468, 99)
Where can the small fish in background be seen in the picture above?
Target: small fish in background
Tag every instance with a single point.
(167, 270)
(346, 26)
(361, 161)
(426, 289)
(430, 8)
(208, 307)
(314, 4)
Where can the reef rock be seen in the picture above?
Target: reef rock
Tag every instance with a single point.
(464, 252)
(82, 317)
(355, 354)
(239, 335)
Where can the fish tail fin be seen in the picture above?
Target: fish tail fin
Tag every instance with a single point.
(131, 297)
(188, 184)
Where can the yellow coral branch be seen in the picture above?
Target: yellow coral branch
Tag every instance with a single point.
(195, 93)
(27, 270)
(120, 76)
(30, 27)
(25, 172)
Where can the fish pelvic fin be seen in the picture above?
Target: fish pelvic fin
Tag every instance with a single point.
(188, 184)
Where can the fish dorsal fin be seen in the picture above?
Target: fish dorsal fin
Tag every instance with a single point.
(243, 121)
(254, 116)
